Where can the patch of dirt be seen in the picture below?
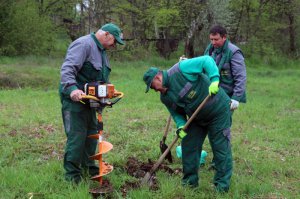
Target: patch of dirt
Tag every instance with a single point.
(139, 169)
(49, 128)
(38, 132)
(6, 81)
(104, 191)
(12, 133)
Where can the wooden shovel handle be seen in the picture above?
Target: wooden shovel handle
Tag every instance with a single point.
(195, 113)
(167, 128)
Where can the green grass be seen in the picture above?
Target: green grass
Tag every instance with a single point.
(266, 134)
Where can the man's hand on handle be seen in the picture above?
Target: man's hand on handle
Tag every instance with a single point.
(180, 132)
(76, 95)
(213, 88)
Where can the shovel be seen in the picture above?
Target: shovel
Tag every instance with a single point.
(148, 175)
(162, 144)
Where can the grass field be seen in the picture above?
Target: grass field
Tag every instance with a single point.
(265, 131)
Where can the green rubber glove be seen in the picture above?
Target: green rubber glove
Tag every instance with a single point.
(180, 132)
(213, 88)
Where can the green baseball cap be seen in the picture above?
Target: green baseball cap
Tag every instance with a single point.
(115, 31)
(149, 75)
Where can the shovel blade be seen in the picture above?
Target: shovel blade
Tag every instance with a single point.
(163, 148)
(145, 180)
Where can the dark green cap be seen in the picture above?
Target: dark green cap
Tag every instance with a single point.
(149, 75)
(115, 31)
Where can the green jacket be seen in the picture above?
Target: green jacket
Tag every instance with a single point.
(187, 88)
(232, 68)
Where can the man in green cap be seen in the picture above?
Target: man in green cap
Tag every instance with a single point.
(86, 61)
(182, 88)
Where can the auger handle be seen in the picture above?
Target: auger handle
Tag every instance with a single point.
(117, 95)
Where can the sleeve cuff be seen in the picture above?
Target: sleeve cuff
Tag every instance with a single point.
(69, 90)
(180, 125)
(236, 98)
(215, 79)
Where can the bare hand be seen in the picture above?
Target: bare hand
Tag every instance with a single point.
(76, 95)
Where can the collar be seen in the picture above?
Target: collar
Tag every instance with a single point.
(96, 41)
(225, 44)
(165, 79)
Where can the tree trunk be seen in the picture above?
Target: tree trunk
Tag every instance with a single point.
(189, 48)
(82, 22)
(195, 26)
(292, 32)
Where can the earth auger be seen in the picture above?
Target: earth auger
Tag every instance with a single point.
(101, 96)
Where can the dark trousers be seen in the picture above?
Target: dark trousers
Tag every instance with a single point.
(78, 126)
(220, 142)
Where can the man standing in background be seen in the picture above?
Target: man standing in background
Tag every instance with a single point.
(230, 61)
(232, 68)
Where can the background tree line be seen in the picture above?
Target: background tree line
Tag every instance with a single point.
(259, 27)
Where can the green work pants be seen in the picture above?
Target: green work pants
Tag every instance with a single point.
(218, 132)
(79, 124)
(213, 164)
